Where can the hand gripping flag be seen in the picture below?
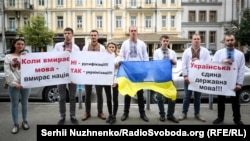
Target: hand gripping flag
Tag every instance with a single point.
(152, 75)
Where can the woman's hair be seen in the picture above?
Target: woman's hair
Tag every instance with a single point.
(13, 49)
(116, 52)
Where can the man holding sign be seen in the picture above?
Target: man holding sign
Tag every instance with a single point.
(191, 54)
(230, 55)
(67, 45)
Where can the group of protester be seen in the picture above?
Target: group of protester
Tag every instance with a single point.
(132, 49)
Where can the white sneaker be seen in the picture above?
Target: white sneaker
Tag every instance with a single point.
(25, 125)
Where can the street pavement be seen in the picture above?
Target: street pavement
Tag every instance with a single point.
(48, 114)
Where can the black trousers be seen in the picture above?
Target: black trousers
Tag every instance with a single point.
(88, 89)
(109, 95)
(235, 101)
(140, 98)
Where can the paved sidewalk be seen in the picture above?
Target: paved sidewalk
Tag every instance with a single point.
(48, 114)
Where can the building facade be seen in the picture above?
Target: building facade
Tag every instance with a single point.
(210, 18)
(112, 18)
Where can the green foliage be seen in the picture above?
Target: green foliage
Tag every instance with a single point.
(36, 34)
(231, 30)
(243, 33)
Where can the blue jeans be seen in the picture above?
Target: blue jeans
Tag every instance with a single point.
(171, 105)
(186, 100)
(15, 96)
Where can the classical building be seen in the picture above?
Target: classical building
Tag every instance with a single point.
(210, 18)
(177, 18)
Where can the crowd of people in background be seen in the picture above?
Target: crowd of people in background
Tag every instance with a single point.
(132, 49)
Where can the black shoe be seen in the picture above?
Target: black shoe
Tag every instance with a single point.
(124, 117)
(15, 129)
(25, 125)
(109, 119)
(113, 120)
(162, 118)
(238, 122)
(61, 121)
(217, 121)
(144, 117)
(74, 120)
(172, 118)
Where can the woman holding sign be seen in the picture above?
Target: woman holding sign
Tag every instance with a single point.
(12, 70)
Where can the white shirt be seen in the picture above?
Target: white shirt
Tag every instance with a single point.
(239, 59)
(141, 49)
(187, 58)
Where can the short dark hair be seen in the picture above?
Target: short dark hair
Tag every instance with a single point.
(69, 29)
(228, 35)
(164, 37)
(93, 30)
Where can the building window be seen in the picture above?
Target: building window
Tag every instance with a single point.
(133, 3)
(191, 16)
(133, 20)
(164, 21)
(212, 0)
(172, 1)
(12, 3)
(99, 21)
(80, 42)
(118, 22)
(99, 2)
(202, 0)
(177, 47)
(212, 16)
(12, 24)
(212, 36)
(59, 2)
(202, 16)
(79, 21)
(25, 21)
(78, 2)
(203, 36)
(147, 1)
(190, 34)
(163, 2)
(172, 21)
(148, 21)
(192, 1)
(60, 22)
(118, 2)
(41, 2)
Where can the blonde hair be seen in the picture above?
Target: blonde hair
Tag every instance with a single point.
(112, 43)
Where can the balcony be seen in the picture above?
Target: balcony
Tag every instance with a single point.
(25, 6)
(141, 6)
(11, 29)
(117, 6)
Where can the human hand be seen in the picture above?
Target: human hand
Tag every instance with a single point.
(67, 49)
(173, 61)
(19, 86)
(237, 88)
(186, 80)
(194, 59)
(227, 61)
(114, 84)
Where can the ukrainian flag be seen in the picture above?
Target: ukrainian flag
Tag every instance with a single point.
(152, 75)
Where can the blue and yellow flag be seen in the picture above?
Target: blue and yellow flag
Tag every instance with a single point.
(152, 75)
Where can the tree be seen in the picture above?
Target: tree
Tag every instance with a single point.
(243, 32)
(36, 34)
